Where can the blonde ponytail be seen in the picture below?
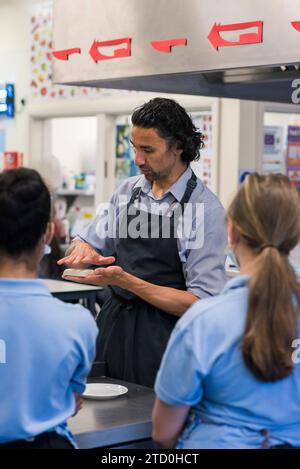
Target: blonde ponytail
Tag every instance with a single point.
(266, 214)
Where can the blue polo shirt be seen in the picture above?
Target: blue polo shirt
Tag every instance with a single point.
(46, 350)
(203, 368)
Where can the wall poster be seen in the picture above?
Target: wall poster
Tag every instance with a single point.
(274, 151)
(125, 166)
(293, 155)
(203, 168)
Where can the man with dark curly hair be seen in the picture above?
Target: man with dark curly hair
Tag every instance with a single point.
(167, 248)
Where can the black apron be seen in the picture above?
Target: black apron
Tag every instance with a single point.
(133, 333)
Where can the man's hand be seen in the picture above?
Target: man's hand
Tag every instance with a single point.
(167, 299)
(103, 276)
(80, 255)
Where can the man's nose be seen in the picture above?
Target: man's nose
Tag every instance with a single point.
(139, 159)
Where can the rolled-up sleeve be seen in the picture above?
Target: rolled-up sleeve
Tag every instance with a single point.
(204, 267)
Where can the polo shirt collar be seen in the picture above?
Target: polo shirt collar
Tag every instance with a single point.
(177, 189)
(237, 282)
(26, 286)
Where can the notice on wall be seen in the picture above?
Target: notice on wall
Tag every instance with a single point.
(125, 166)
(204, 167)
(274, 152)
(293, 155)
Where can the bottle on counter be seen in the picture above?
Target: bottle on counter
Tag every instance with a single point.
(73, 217)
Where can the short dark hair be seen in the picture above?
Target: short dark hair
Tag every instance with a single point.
(173, 124)
(25, 208)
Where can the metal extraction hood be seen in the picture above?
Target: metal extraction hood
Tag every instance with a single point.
(247, 49)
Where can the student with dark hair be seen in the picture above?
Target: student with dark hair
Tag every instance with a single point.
(168, 247)
(230, 377)
(47, 346)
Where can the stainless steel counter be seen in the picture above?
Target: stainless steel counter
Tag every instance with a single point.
(119, 422)
(72, 291)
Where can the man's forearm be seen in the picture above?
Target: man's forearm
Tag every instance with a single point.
(167, 299)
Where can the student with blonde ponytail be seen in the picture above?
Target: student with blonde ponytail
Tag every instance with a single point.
(265, 216)
(228, 379)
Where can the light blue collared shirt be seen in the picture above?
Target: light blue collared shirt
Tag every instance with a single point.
(203, 267)
(47, 348)
(203, 368)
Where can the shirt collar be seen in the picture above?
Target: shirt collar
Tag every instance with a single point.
(236, 282)
(25, 286)
(177, 189)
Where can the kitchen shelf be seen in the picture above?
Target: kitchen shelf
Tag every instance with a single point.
(72, 195)
(75, 192)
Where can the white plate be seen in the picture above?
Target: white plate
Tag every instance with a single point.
(104, 391)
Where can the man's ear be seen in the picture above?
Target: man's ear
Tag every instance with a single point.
(177, 151)
(49, 232)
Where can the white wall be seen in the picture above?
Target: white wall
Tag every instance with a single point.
(241, 143)
(74, 142)
(281, 119)
(15, 67)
